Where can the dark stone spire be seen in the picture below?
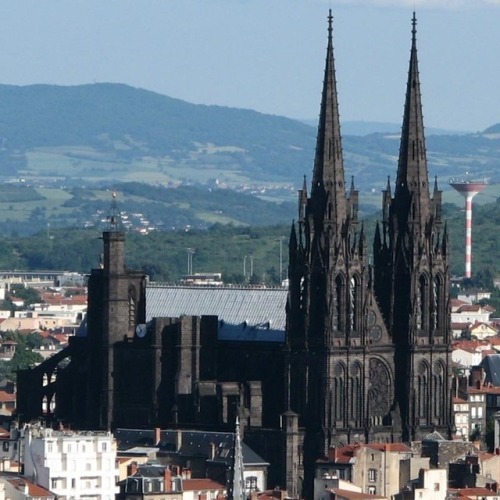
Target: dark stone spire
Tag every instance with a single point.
(328, 189)
(412, 189)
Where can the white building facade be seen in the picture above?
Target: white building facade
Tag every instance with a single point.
(71, 464)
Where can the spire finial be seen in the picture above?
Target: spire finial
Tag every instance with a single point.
(330, 23)
(414, 27)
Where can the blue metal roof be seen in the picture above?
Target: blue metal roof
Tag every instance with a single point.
(251, 314)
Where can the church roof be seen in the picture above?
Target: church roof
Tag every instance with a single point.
(253, 314)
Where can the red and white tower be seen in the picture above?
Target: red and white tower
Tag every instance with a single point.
(468, 189)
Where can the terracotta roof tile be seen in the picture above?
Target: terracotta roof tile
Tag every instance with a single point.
(354, 495)
(201, 484)
(33, 489)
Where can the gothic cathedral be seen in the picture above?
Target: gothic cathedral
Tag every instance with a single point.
(368, 331)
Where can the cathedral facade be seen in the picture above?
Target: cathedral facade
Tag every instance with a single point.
(368, 327)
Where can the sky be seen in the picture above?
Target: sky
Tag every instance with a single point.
(266, 55)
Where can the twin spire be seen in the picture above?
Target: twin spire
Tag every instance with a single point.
(328, 185)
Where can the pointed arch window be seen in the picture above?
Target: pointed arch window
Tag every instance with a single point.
(422, 304)
(340, 305)
(354, 303)
(439, 391)
(355, 394)
(339, 396)
(422, 404)
(437, 294)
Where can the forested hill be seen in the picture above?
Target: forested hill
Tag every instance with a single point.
(225, 248)
(112, 132)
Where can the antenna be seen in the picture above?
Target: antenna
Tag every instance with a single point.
(114, 219)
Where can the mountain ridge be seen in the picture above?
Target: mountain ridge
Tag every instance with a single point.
(106, 132)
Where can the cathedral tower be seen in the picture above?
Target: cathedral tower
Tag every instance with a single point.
(340, 356)
(412, 277)
(368, 346)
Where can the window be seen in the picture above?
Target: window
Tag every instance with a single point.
(104, 446)
(372, 475)
(73, 483)
(473, 412)
(251, 483)
(436, 486)
(54, 483)
(372, 490)
(5, 446)
(479, 412)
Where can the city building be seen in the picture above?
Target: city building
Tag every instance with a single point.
(71, 464)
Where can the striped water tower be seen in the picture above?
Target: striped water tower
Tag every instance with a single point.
(468, 189)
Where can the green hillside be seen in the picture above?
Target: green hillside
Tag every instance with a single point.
(106, 133)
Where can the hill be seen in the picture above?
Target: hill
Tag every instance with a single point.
(106, 133)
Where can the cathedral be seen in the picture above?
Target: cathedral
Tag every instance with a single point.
(356, 350)
(368, 329)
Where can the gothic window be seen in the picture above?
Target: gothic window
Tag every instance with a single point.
(339, 396)
(439, 391)
(437, 302)
(339, 292)
(422, 304)
(354, 300)
(422, 405)
(131, 306)
(355, 393)
(379, 392)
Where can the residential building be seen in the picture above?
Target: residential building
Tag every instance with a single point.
(71, 464)
(461, 412)
(473, 295)
(432, 484)
(376, 468)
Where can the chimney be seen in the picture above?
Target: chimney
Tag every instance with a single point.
(167, 476)
(132, 469)
(157, 438)
(476, 375)
(497, 451)
(332, 454)
(23, 487)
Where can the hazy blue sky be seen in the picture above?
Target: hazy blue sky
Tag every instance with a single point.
(266, 55)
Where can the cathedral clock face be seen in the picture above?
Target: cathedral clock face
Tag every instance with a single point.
(371, 318)
(375, 333)
(141, 331)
